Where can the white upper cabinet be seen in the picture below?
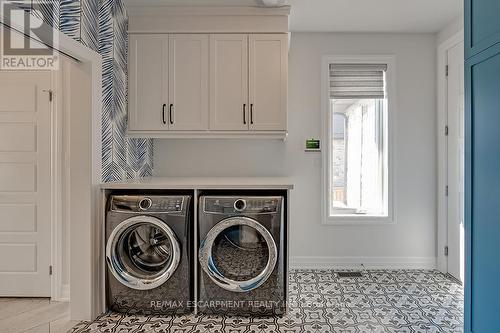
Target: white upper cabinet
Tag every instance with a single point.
(208, 72)
(268, 64)
(229, 108)
(148, 84)
(208, 85)
(188, 82)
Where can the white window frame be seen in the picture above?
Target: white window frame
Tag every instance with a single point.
(355, 219)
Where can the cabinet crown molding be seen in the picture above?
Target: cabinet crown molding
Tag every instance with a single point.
(195, 19)
(165, 11)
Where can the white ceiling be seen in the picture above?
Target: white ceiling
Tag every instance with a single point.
(373, 15)
(350, 15)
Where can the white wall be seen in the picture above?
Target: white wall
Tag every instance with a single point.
(412, 240)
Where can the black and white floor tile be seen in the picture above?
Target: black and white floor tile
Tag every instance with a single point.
(320, 301)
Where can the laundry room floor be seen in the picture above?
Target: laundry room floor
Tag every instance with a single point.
(321, 301)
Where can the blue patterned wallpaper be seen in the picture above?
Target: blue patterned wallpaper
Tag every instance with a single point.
(102, 26)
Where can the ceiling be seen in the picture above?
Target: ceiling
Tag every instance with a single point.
(373, 15)
(350, 15)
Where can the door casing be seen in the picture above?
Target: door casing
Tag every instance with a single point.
(442, 225)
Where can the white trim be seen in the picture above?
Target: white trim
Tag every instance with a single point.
(195, 267)
(162, 9)
(362, 262)
(390, 60)
(85, 275)
(64, 293)
(442, 223)
(93, 60)
(276, 135)
(56, 187)
(147, 17)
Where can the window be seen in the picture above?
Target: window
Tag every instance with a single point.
(358, 142)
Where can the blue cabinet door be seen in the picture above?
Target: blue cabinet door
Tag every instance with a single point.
(482, 25)
(482, 188)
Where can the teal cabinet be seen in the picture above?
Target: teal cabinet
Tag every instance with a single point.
(482, 188)
(482, 25)
(482, 166)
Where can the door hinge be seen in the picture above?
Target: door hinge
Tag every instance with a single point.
(446, 250)
(447, 70)
(446, 130)
(446, 190)
(50, 270)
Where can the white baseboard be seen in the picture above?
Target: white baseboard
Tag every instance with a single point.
(64, 293)
(363, 262)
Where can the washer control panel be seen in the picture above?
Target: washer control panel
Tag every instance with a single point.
(243, 205)
(150, 204)
(168, 204)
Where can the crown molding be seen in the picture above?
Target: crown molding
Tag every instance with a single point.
(134, 9)
(196, 19)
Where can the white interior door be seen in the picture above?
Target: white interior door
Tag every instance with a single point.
(188, 82)
(229, 107)
(25, 183)
(455, 162)
(268, 55)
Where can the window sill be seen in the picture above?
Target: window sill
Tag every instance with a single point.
(357, 219)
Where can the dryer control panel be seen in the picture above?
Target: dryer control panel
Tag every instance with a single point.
(242, 205)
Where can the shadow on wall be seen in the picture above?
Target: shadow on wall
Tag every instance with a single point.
(218, 158)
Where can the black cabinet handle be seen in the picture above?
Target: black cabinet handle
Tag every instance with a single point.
(170, 114)
(163, 114)
(244, 114)
(251, 113)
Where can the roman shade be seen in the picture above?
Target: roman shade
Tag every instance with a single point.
(356, 81)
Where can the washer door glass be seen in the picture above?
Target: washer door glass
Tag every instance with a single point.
(239, 254)
(145, 249)
(143, 252)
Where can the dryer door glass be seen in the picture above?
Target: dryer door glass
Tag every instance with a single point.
(238, 254)
(142, 252)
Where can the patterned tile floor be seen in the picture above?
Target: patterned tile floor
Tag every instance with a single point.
(320, 301)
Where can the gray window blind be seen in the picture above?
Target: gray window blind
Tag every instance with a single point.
(356, 81)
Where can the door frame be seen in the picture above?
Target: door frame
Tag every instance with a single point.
(442, 101)
(84, 276)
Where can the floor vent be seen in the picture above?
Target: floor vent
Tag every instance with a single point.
(349, 274)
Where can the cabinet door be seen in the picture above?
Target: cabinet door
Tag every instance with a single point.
(268, 81)
(229, 82)
(482, 191)
(148, 82)
(482, 25)
(188, 82)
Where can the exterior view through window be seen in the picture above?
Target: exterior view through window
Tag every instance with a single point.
(358, 156)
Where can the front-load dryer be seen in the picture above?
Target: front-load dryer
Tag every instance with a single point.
(241, 255)
(147, 254)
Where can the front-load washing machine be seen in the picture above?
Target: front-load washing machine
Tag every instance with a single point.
(148, 254)
(241, 255)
